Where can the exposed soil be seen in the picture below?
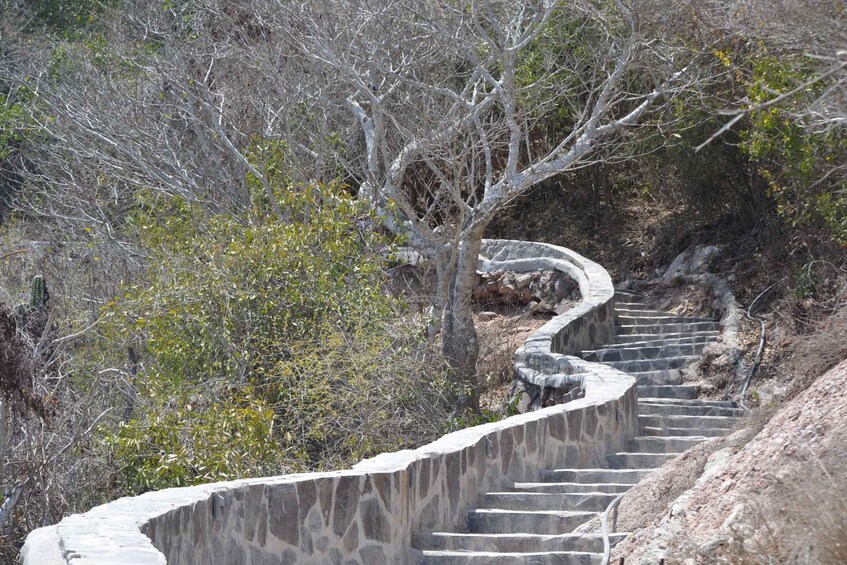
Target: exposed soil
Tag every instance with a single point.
(500, 334)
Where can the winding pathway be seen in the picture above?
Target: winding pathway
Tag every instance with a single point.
(511, 491)
(532, 522)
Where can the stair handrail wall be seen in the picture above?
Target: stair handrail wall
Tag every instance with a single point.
(368, 514)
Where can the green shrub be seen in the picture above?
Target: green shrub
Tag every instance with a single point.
(270, 345)
(795, 161)
(184, 439)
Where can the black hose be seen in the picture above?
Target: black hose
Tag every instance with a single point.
(761, 347)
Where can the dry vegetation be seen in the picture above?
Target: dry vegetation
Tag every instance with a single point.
(132, 134)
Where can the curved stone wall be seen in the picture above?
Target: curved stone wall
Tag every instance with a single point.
(368, 514)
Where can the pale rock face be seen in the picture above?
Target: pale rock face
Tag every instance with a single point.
(692, 261)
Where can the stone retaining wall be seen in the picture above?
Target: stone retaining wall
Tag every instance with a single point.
(368, 514)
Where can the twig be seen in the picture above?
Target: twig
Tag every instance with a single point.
(9, 501)
(15, 252)
(77, 334)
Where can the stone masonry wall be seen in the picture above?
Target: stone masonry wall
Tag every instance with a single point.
(368, 514)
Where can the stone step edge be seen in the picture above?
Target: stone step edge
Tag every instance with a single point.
(652, 458)
(495, 554)
(666, 328)
(530, 494)
(562, 513)
(675, 341)
(685, 401)
(648, 405)
(663, 317)
(672, 417)
(564, 484)
(661, 337)
(671, 358)
(594, 470)
(527, 535)
(661, 355)
(660, 438)
(723, 431)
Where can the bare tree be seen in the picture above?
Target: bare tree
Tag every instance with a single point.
(429, 109)
(145, 110)
(445, 96)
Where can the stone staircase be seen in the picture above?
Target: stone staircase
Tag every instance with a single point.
(532, 522)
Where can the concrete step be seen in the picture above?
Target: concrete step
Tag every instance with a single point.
(647, 319)
(683, 410)
(667, 328)
(624, 306)
(633, 460)
(664, 444)
(515, 543)
(687, 401)
(669, 392)
(587, 476)
(627, 340)
(572, 501)
(640, 353)
(571, 487)
(543, 522)
(661, 377)
(651, 364)
(666, 421)
(683, 432)
(486, 557)
(630, 308)
(638, 309)
(701, 338)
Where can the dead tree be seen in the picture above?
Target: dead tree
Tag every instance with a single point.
(445, 97)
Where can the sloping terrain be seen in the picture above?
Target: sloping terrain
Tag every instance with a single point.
(778, 499)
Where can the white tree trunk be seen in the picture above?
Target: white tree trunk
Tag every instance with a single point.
(459, 343)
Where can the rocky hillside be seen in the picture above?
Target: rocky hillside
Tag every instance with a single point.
(777, 498)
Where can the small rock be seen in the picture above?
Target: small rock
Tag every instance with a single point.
(487, 316)
(506, 288)
(563, 306)
(522, 281)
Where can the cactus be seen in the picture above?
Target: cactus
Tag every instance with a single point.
(39, 295)
(38, 298)
(21, 310)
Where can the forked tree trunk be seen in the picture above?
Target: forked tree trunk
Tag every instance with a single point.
(459, 343)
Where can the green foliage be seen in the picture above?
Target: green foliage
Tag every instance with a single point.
(270, 345)
(12, 123)
(187, 439)
(559, 59)
(466, 419)
(66, 15)
(224, 291)
(794, 160)
(349, 395)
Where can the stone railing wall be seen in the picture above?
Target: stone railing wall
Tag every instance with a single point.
(369, 513)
